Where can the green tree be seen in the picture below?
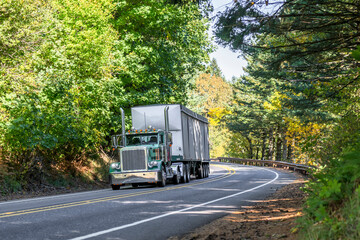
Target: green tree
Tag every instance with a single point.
(210, 97)
(161, 47)
(68, 66)
(312, 53)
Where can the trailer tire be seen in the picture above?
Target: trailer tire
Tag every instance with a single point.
(203, 171)
(200, 172)
(115, 187)
(162, 183)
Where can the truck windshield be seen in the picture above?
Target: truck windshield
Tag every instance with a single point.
(141, 140)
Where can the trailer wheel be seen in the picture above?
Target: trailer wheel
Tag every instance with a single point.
(115, 187)
(162, 183)
(203, 171)
(200, 172)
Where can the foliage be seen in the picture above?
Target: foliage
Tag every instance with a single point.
(68, 66)
(334, 200)
(302, 92)
(211, 97)
(160, 48)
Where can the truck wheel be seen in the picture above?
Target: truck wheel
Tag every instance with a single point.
(115, 187)
(187, 173)
(200, 172)
(206, 170)
(162, 183)
(183, 178)
(176, 179)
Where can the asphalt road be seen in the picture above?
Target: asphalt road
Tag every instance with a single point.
(140, 213)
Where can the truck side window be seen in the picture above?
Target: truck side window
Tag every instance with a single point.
(161, 139)
(153, 140)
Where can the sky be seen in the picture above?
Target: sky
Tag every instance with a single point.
(228, 61)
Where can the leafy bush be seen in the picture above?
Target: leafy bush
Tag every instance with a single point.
(332, 209)
(9, 184)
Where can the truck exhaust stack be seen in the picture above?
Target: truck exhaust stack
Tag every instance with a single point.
(122, 126)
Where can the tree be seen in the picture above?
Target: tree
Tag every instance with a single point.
(309, 43)
(68, 66)
(160, 49)
(210, 97)
(313, 56)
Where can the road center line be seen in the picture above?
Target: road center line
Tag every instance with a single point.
(110, 198)
(175, 212)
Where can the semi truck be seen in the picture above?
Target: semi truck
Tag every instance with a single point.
(167, 143)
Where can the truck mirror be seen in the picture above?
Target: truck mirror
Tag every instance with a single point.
(114, 141)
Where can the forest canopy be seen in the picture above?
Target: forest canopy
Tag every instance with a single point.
(68, 66)
(299, 100)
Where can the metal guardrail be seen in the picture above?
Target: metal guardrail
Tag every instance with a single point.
(304, 169)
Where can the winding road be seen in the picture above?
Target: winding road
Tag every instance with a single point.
(140, 213)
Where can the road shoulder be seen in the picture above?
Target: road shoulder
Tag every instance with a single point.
(272, 218)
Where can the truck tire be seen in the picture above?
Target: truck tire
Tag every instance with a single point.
(183, 178)
(200, 172)
(176, 179)
(162, 183)
(203, 171)
(115, 187)
(188, 178)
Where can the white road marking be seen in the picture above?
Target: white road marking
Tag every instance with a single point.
(175, 212)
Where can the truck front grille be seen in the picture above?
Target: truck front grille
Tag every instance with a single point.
(134, 160)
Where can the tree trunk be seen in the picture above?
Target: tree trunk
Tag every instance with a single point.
(290, 150)
(278, 147)
(250, 154)
(284, 146)
(271, 145)
(263, 146)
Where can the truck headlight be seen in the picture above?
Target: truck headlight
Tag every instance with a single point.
(115, 165)
(152, 164)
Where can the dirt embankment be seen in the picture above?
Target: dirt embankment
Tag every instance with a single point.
(272, 218)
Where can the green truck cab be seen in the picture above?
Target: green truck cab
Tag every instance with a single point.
(143, 159)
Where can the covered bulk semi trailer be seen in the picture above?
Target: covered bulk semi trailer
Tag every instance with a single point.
(166, 142)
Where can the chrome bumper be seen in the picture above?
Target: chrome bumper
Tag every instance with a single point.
(135, 177)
